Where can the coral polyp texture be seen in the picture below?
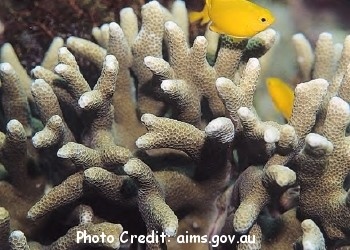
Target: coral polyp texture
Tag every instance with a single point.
(167, 142)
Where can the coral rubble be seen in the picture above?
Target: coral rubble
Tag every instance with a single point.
(168, 141)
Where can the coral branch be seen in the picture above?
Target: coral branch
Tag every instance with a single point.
(69, 241)
(154, 211)
(14, 154)
(18, 241)
(312, 236)
(184, 136)
(305, 57)
(89, 50)
(52, 134)
(324, 57)
(110, 185)
(240, 94)
(326, 157)
(14, 100)
(68, 191)
(8, 54)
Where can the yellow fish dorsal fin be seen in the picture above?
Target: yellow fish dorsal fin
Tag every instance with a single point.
(203, 15)
(282, 95)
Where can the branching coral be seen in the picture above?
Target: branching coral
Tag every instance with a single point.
(320, 150)
(147, 148)
(323, 167)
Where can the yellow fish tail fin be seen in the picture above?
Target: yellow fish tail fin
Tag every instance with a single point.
(203, 15)
(282, 96)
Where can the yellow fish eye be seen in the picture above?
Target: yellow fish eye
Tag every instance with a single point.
(263, 19)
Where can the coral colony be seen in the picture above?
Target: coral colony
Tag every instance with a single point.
(182, 160)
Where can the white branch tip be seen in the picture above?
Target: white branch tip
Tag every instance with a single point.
(271, 135)
(340, 104)
(60, 68)
(245, 113)
(222, 82)
(168, 85)
(170, 25)
(111, 62)
(6, 68)
(147, 119)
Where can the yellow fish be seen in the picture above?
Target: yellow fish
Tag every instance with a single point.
(236, 18)
(282, 95)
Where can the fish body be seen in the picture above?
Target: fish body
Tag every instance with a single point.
(236, 18)
(282, 95)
